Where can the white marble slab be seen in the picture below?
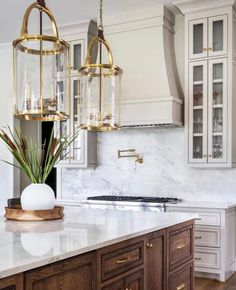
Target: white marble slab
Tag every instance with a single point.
(24, 246)
(164, 172)
(204, 204)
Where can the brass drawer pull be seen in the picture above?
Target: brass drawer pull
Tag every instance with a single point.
(181, 286)
(125, 260)
(180, 246)
(198, 238)
(205, 49)
(149, 245)
(128, 288)
(197, 259)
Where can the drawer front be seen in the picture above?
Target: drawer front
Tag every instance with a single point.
(119, 261)
(182, 279)
(207, 237)
(180, 246)
(207, 258)
(205, 218)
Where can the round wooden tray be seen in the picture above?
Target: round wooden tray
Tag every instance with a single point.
(16, 213)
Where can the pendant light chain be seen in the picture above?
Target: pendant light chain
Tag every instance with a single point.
(100, 26)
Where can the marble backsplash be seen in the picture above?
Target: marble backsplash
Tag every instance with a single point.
(163, 173)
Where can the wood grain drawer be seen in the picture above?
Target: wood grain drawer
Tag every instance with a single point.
(207, 258)
(207, 237)
(118, 261)
(182, 279)
(180, 246)
(205, 218)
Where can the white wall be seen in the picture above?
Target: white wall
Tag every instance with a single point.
(7, 174)
(164, 171)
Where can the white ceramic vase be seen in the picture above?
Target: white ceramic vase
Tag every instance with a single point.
(37, 196)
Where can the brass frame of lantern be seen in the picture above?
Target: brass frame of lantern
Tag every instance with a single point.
(87, 69)
(59, 46)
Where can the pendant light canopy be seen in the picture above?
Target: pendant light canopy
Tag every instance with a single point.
(40, 71)
(99, 87)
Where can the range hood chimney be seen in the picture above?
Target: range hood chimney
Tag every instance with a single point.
(152, 93)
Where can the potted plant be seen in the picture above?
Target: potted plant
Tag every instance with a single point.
(36, 161)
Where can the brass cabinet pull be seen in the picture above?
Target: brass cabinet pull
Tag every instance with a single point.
(180, 246)
(210, 155)
(125, 260)
(204, 155)
(128, 288)
(197, 259)
(181, 286)
(149, 245)
(198, 238)
(210, 49)
(205, 49)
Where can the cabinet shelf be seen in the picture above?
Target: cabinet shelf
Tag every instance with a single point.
(215, 81)
(197, 134)
(218, 106)
(197, 107)
(198, 83)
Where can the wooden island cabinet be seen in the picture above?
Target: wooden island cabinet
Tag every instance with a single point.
(160, 260)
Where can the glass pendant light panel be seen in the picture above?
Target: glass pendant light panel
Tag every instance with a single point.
(41, 80)
(99, 100)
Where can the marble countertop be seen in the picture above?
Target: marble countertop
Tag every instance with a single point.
(204, 204)
(25, 246)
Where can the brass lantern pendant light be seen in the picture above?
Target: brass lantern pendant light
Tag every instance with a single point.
(99, 108)
(40, 71)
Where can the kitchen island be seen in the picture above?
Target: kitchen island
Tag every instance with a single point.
(98, 249)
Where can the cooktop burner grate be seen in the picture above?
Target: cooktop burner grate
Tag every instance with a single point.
(148, 199)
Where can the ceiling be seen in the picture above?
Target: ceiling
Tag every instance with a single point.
(65, 11)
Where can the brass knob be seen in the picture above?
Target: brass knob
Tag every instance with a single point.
(198, 258)
(198, 238)
(204, 155)
(210, 49)
(205, 49)
(149, 245)
(181, 286)
(209, 155)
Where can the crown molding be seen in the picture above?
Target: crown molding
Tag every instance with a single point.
(189, 6)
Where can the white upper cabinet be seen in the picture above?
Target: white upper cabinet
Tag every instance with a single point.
(210, 97)
(207, 130)
(208, 37)
(198, 38)
(82, 152)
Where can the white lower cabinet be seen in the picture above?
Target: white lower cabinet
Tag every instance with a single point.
(214, 241)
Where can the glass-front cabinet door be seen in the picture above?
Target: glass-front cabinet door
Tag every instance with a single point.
(198, 112)
(77, 155)
(198, 38)
(217, 110)
(217, 39)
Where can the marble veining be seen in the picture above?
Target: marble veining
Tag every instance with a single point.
(164, 172)
(24, 246)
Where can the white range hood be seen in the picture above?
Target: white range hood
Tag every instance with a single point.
(143, 45)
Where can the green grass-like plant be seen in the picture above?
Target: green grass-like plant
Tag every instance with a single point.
(36, 161)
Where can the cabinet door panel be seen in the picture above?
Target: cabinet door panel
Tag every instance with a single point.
(155, 275)
(182, 279)
(198, 38)
(65, 275)
(198, 112)
(12, 283)
(217, 111)
(134, 281)
(119, 285)
(217, 39)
